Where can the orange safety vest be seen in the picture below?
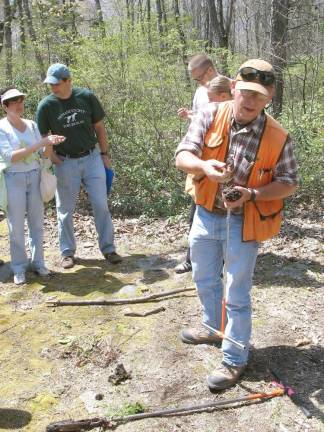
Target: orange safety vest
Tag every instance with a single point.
(262, 219)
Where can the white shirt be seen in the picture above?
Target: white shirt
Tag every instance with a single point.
(12, 139)
(200, 99)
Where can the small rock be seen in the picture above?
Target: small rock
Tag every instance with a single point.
(128, 290)
(302, 342)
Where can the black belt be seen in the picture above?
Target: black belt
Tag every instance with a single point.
(79, 155)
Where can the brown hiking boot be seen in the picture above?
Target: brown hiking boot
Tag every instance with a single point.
(113, 257)
(67, 262)
(224, 377)
(195, 336)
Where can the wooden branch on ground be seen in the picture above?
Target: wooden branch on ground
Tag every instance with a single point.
(114, 302)
(89, 424)
(144, 314)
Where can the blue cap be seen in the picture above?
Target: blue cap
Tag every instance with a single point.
(56, 72)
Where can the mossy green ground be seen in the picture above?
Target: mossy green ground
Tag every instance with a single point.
(52, 366)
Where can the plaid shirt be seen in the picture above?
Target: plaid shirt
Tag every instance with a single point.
(243, 145)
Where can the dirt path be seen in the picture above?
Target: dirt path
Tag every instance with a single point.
(56, 363)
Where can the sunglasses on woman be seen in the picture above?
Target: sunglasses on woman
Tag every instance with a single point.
(252, 74)
(16, 99)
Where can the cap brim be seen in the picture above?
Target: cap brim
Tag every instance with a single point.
(248, 85)
(51, 80)
(12, 93)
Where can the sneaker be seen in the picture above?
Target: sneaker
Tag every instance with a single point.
(199, 336)
(113, 257)
(67, 262)
(43, 271)
(19, 278)
(183, 267)
(225, 376)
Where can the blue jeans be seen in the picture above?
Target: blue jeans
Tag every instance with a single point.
(207, 242)
(70, 173)
(24, 198)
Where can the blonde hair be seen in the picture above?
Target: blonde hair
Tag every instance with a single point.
(200, 61)
(220, 84)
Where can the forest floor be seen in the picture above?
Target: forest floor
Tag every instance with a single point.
(60, 363)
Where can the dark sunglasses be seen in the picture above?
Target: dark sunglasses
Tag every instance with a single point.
(251, 74)
(16, 99)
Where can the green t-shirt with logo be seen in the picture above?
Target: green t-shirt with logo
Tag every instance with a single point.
(73, 117)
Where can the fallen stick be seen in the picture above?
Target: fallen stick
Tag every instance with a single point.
(113, 302)
(145, 314)
(105, 423)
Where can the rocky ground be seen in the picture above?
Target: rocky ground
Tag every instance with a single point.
(65, 362)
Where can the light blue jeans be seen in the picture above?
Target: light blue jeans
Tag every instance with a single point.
(207, 242)
(70, 173)
(24, 198)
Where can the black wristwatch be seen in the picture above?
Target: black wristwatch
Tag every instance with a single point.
(253, 194)
(104, 153)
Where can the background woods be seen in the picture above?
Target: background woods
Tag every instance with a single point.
(134, 55)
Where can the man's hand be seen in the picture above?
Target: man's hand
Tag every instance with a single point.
(105, 160)
(55, 159)
(246, 195)
(216, 171)
(184, 113)
(51, 140)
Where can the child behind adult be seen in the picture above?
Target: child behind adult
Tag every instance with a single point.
(219, 89)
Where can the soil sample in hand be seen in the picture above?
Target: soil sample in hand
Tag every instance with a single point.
(230, 193)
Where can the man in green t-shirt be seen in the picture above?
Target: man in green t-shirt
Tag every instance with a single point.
(77, 114)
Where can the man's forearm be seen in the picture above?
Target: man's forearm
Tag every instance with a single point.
(274, 190)
(102, 137)
(189, 163)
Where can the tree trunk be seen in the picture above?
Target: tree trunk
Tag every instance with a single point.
(100, 20)
(182, 38)
(8, 40)
(159, 22)
(279, 27)
(22, 32)
(221, 27)
(33, 38)
(1, 35)
(148, 14)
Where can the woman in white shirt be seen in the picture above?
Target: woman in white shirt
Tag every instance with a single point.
(20, 144)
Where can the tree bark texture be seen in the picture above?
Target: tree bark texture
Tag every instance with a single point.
(8, 39)
(279, 27)
(32, 35)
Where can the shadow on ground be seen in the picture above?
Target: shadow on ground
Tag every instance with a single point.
(293, 272)
(301, 369)
(13, 418)
(96, 275)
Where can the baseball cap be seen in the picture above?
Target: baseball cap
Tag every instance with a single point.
(56, 72)
(257, 75)
(11, 93)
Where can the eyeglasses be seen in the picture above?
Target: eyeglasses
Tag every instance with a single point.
(17, 99)
(252, 74)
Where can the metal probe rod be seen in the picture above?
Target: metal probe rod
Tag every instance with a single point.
(223, 336)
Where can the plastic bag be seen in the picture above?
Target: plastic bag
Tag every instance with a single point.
(48, 181)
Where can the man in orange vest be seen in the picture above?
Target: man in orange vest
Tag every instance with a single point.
(234, 142)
